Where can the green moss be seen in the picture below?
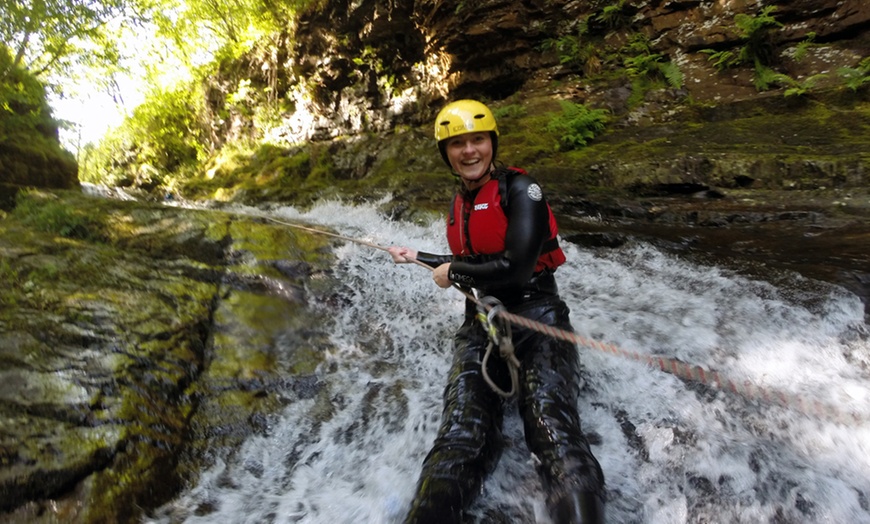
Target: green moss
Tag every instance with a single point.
(48, 213)
(267, 173)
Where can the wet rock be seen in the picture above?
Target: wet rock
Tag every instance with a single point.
(129, 348)
(805, 232)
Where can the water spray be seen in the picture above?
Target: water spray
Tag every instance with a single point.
(682, 370)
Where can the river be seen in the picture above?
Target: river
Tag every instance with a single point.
(673, 451)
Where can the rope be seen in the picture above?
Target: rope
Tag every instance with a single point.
(682, 370)
(499, 334)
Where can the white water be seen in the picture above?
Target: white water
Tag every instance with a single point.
(672, 452)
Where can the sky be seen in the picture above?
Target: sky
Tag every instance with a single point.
(93, 114)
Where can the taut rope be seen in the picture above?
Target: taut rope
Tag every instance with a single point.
(682, 370)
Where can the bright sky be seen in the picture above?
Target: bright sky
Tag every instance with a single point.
(93, 114)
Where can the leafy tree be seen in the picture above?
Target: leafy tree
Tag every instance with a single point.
(29, 150)
(163, 137)
(22, 99)
(50, 36)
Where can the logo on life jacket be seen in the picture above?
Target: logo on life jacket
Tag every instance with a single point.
(535, 192)
(481, 207)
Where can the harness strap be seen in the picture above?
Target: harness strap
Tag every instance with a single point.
(499, 334)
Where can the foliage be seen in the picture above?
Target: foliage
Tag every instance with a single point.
(22, 100)
(796, 88)
(856, 77)
(766, 78)
(577, 125)
(576, 51)
(756, 48)
(265, 172)
(188, 45)
(50, 214)
(227, 28)
(803, 46)
(645, 63)
(509, 111)
(722, 60)
(164, 136)
(30, 153)
(613, 16)
(53, 39)
(11, 280)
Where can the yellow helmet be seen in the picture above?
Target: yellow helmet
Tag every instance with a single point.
(463, 116)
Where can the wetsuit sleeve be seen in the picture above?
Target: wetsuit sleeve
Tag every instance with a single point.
(431, 260)
(528, 228)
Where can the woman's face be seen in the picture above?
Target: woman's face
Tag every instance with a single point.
(470, 155)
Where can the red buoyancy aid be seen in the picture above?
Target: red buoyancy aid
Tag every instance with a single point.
(480, 227)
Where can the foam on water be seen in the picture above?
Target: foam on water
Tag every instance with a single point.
(673, 452)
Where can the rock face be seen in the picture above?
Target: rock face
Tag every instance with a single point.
(372, 65)
(359, 74)
(363, 76)
(135, 345)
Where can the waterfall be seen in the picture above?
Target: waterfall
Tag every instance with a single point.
(673, 451)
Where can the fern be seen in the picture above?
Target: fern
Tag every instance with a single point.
(722, 60)
(801, 88)
(642, 65)
(650, 65)
(856, 77)
(672, 74)
(509, 111)
(803, 47)
(752, 27)
(612, 16)
(574, 52)
(577, 125)
(754, 33)
(765, 78)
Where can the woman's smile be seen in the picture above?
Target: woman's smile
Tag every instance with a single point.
(470, 155)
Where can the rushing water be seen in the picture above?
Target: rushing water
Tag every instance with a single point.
(672, 451)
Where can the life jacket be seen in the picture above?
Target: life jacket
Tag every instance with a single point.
(479, 227)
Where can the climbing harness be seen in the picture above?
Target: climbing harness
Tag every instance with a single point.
(499, 334)
(677, 368)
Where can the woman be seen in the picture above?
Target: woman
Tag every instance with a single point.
(503, 239)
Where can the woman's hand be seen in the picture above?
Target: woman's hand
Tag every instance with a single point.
(402, 255)
(440, 276)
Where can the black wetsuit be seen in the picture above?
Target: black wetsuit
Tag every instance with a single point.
(468, 443)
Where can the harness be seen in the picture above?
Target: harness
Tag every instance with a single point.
(499, 334)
